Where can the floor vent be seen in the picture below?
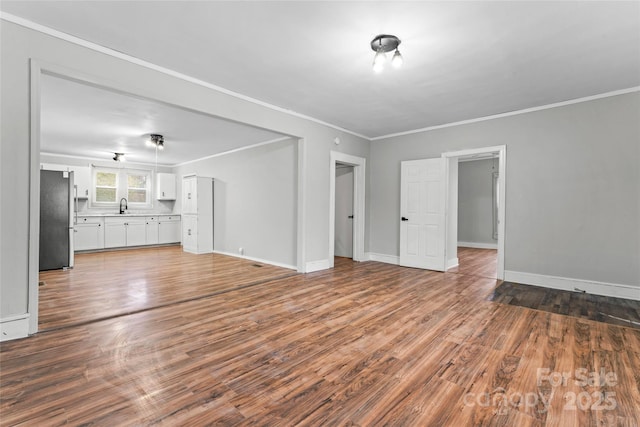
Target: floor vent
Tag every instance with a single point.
(256, 265)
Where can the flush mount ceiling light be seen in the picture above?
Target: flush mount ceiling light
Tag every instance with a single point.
(156, 140)
(382, 44)
(118, 157)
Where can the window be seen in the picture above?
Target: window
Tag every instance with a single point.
(137, 188)
(106, 187)
(110, 185)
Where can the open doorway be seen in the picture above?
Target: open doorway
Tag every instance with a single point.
(340, 160)
(58, 94)
(478, 199)
(343, 244)
(475, 236)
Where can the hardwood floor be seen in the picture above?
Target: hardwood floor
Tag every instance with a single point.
(616, 311)
(477, 262)
(113, 283)
(363, 344)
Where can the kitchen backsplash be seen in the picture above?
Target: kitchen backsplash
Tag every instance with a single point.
(160, 207)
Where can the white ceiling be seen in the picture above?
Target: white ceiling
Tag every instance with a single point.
(463, 60)
(87, 121)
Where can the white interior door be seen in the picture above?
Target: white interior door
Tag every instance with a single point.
(422, 211)
(344, 212)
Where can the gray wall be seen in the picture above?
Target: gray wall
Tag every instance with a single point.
(475, 201)
(255, 200)
(19, 45)
(573, 187)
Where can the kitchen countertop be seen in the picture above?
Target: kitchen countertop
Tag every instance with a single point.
(125, 215)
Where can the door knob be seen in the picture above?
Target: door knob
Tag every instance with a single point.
(350, 217)
(405, 219)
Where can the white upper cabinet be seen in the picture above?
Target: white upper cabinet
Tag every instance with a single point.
(190, 195)
(82, 180)
(81, 176)
(166, 186)
(54, 167)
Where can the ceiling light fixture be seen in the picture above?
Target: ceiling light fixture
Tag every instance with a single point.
(156, 140)
(386, 43)
(119, 157)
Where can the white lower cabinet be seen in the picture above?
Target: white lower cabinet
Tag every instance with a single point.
(88, 234)
(136, 231)
(190, 233)
(152, 230)
(169, 229)
(124, 231)
(197, 234)
(100, 232)
(115, 234)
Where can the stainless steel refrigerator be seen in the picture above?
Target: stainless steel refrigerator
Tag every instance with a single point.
(56, 219)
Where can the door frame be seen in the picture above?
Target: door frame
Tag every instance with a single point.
(452, 156)
(342, 223)
(359, 174)
(39, 67)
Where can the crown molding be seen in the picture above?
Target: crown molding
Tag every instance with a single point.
(127, 163)
(167, 165)
(137, 61)
(512, 113)
(235, 150)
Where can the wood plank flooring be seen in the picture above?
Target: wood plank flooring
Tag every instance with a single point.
(113, 283)
(616, 311)
(477, 262)
(364, 344)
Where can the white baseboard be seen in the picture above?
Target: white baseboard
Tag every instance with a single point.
(568, 284)
(452, 263)
(478, 245)
(192, 251)
(321, 264)
(14, 327)
(260, 260)
(387, 259)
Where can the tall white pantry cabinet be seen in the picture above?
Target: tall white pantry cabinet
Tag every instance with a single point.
(197, 214)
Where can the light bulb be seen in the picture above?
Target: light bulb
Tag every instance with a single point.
(160, 145)
(380, 58)
(150, 143)
(397, 59)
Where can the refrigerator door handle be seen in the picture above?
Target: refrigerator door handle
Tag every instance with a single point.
(72, 190)
(75, 197)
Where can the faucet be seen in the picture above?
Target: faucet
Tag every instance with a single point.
(125, 205)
